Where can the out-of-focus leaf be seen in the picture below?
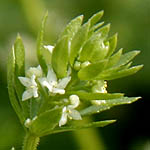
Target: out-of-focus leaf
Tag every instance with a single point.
(91, 96)
(60, 57)
(107, 105)
(72, 27)
(91, 71)
(127, 58)
(11, 83)
(46, 122)
(112, 44)
(93, 50)
(20, 71)
(119, 74)
(114, 59)
(40, 45)
(78, 40)
(78, 127)
(95, 18)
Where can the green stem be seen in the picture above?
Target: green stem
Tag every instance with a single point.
(30, 142)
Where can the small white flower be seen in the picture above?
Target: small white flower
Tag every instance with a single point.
(27, 122)
(49, 47)
(69, 111)
(37, 71)
(31, 87)
(54, 85)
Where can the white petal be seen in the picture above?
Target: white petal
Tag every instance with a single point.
(25, 81)
(59, 91)
(74, 100)
(27, 94)
(51, 76)
(49, 47)
(33, 82)
(74, 114)
(63, 82)
(35, 92)
(63, 119)
(49, 86)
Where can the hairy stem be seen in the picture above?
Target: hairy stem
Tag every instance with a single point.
(30, 142)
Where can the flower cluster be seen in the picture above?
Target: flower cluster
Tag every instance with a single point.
(71, 79)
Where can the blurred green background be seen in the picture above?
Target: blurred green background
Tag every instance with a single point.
(131, 19)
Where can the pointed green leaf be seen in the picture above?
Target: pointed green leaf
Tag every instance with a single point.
(127, 57)
(94, 28)
(96, 17)
(103, 31)
(20, 71)
(93, 50)
(85, 96)
(47, 55)
(78, 41)
(72, 27)
(60, 57)
(19, 65)
(40, 45)
(46, 122)
(11, 88)
(79, 127)
(114, 59)
(107, 105)
(112, 44)
(120, 74)
(91, 71)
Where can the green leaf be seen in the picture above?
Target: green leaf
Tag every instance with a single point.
(120, 74)
(47, 55)
(79, 127)
(11, 88)
(95, 18)
(40, 45)
(127, 57)
(114, 59)
(20, 71)
(112, 44)
(78, 41)
(93, 50)
(94, 28)
(107, 105)
(103, 31)
(91, 96)
(72, 27)
(19, 65)
(91, 71)
(60, 57)
(46, 122)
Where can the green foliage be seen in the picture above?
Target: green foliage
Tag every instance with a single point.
(40, 45)
(74, 72)
(60, 63)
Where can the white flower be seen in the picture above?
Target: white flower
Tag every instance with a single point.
(54, 85)
(69, 111)
(31, 87)
(37, 71)
(49, 47)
